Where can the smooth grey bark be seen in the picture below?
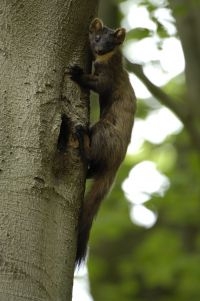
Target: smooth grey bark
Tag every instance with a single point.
(41, 186)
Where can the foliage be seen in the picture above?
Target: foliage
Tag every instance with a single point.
(128, 262)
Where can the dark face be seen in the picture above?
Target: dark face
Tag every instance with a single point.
(102, 41)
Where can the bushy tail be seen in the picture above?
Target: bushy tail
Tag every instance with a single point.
(100, 187)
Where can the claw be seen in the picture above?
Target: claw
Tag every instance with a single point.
(75, 72)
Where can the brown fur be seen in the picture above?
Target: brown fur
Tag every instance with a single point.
(110, 136)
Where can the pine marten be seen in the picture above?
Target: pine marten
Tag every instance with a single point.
(110, 136)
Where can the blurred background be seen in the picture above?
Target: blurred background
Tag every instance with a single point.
(145, 243)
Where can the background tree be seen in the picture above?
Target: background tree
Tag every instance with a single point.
(41, 175)
(128, 262)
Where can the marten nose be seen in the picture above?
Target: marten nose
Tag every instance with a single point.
(97, 38)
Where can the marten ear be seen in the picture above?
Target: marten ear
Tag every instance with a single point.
(96, 25)
(120, 34)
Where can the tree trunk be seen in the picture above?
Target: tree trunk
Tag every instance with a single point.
(187, 15)
(41, 175)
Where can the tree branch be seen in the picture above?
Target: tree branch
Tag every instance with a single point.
(181, 110)
(163, 97)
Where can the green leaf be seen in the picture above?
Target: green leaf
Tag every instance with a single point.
(161, 30)
(139, 33)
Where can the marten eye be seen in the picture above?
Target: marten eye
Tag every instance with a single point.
(97, 38)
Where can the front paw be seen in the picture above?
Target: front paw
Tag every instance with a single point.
(75, 73)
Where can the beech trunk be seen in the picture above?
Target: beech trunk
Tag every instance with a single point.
(42, 177)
